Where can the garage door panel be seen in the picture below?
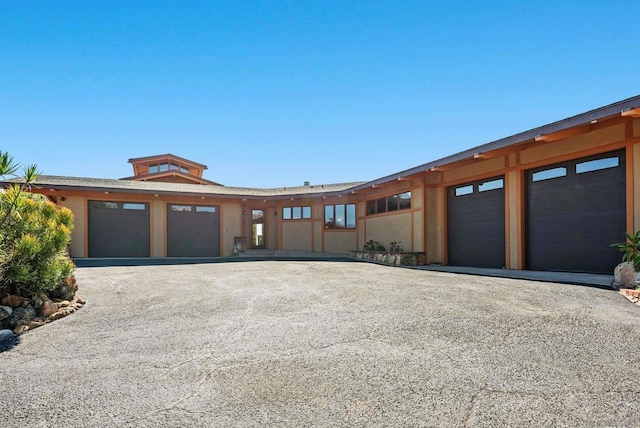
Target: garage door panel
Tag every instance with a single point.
(572, 220)
(193, 231)
(119, 229)
(476, 224)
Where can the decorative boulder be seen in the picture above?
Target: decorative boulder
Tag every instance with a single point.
(625, 275)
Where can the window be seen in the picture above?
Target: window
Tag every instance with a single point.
(491, 185)
(205, 209)
(153, 169)
(105, 205)
(181, 208)
(296, 213)
(340, 216)
(597, 164)
(548, 174)
(396, 202)
(464, 190)
(130, 206)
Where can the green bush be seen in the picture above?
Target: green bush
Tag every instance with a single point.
(372, 245)
(33, 243)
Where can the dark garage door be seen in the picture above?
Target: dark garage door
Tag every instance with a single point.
(193, 231)
(476, 224)
(119, 229)
(575, 210)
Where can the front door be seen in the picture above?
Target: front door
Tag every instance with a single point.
(257, 229)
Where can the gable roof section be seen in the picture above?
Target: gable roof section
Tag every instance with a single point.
(163, 188)
(162, 174)
(166, 156)
(611, 110)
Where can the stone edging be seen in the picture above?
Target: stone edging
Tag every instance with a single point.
(632, 295)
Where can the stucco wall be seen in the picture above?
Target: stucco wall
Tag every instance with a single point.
(158, 228)
(77, 206)
(231, 220)
(296, 235)
(434, 224)
(392, 227)
(340, 241)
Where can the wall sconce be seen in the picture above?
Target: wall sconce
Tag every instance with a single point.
(244, 213)
(275, 213)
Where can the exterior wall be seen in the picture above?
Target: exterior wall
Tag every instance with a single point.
(636, 128)
(434, 221)
(340, 241)
(77, 205)
(297, 235)
(391, 227)
(231, 224)
(159, 228)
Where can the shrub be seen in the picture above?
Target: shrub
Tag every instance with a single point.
(630, 249)
(33, 242)
(395, 247)
(372, 245)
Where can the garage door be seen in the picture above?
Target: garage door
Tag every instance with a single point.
(475, 224)
(193, 230)
(575, 210)
(119, 229)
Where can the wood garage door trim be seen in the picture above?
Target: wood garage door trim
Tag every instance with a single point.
(119, 229)
(476, 223)
(574, 210)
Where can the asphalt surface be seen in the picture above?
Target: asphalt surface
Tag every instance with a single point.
(297, 344)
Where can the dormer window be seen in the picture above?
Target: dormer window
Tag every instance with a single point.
(153, 168)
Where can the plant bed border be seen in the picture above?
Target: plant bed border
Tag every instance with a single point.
(404, 258)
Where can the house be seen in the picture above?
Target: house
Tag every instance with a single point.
(550, 198)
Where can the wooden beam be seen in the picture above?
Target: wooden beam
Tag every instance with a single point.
(565, 133)
(634, 112)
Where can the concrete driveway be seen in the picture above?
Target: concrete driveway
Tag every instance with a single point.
(295, 344)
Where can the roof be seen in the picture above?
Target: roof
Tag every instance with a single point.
(522, 137)
(165, 156)
(170, 173)
(156, 187)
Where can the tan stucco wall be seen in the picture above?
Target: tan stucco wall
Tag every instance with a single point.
(296, 235)
(340, 242)
(78, 206)
(611, 134)
(418, 233)
(387, 228)
(230, 221)
(434, 224)
(158, 226)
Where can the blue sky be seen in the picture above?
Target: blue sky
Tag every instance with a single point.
(273, 93)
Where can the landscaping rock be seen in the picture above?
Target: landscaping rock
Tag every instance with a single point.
(47, 308)
(625, 275)
(13, 301)
(5, 335)
(5, 311)
(21, 329)
(23, 315)
(63, 303)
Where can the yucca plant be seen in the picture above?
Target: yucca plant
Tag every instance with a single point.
(630, 249)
